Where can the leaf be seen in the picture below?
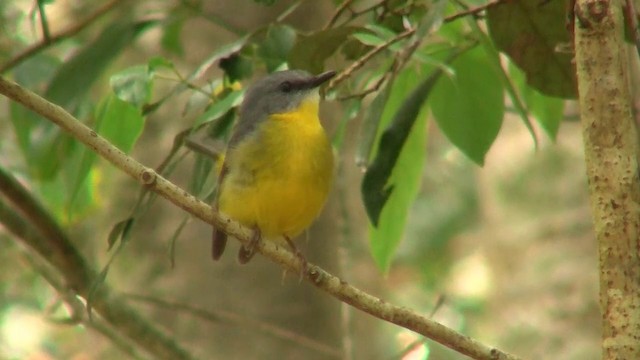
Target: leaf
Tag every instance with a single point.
(158, 62)
(119, 122)
(405, 181)
(548, 111)
(220, 107)
(76, 76)
(133, 85)
(220, 53)
(531, 33)
(277, 44)
(171, 33)
(120, 231)
(470, 106)
(370, 125)
(376, 187)
(310, 51)
(368, 39)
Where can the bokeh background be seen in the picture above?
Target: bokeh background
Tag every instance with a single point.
(508, 248)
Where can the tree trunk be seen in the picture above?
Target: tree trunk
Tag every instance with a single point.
(611, 148)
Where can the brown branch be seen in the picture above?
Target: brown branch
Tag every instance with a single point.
(344, 74)
(41, 233)
(473, 11)
(53, 39)
(333, 285)
(611, 155)
(336, 15)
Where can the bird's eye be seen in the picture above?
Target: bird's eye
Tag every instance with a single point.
(286, 86)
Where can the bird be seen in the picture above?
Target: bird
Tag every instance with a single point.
(278, 167)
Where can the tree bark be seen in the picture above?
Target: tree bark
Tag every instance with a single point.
(611, 148)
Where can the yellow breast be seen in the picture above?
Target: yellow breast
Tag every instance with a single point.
(279, 177)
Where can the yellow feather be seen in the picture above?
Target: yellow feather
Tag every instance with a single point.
(279, 176)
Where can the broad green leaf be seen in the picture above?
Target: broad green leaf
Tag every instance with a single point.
(237, 67)
(405, 180)
(368, 39)
(310, 51)
(376, 187)
(119, 122)
(469, 107)
(158, 62)
(76, 76)
(274, 49)
(532, 33)
(171, 33)
(219, 54)
(220, 107)
(133, 85)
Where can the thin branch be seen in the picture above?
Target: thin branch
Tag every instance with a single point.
(344, 74)
(336, 15)
(331, 284)
(226, 316)
(473, 11)
(42, 234)
(53, 39)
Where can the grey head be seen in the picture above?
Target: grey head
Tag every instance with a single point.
(276, 93)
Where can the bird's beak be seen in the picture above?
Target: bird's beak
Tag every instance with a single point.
(320, 79)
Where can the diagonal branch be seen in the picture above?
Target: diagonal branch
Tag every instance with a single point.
(331, 284)
(55, 38)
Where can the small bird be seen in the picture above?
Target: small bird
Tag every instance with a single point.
(278, 166)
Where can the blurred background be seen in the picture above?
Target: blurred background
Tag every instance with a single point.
(508, 248)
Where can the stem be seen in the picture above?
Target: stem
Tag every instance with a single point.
(611, 155)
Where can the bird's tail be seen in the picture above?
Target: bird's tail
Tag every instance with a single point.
(218, 244)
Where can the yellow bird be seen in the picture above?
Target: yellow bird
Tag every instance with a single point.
(278, 165)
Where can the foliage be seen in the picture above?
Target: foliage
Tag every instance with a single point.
(400, 64)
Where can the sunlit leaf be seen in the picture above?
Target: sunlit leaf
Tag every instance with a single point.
(220, 107)
(469, 106)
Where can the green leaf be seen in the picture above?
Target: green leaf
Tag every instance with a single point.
(158, 62)
(133, 85)
(236, 67)
(548, 111)
(311, 51)
(219, 54)
(376, 185)
(370, 125)
(368, 39)
(220, 107)
(76, 76)
(171, 33)
(277, 44)
(470, 106)
(120, 231)
(119, 122)
(405, 181)
(531, 34)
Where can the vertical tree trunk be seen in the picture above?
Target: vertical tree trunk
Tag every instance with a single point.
(611, 148)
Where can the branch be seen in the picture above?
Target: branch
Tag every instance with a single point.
(473, 11)
(344, 74)
(331, 284)
(42, 234)
(53, 39)
(611, 155)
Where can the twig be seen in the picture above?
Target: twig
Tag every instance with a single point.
(343, 6)
(473, 11)
(53, 39)
(366, 57)
(42, 234)
(218, 316)
(333, 285)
